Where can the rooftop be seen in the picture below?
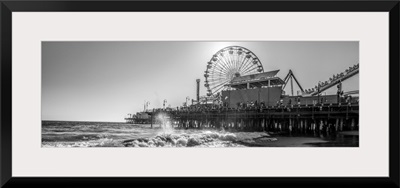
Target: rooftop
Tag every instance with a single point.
(256, 80)
(259, 76)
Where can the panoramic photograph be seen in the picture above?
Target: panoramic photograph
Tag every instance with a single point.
(200, 94)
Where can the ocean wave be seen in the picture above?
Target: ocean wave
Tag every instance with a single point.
(201, 139)
(105, 142)
(78, 134)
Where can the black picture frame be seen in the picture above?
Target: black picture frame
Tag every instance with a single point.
(7, 7)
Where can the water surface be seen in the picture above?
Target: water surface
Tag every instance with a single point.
(109, 134)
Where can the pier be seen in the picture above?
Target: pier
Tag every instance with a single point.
(294, 118)
(255, 100)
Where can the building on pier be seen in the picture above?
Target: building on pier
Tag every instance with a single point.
(263, 87)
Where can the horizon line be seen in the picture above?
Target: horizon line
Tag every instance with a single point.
(88, 121)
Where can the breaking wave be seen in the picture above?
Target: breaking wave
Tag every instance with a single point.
(78, 134)
(200, 139)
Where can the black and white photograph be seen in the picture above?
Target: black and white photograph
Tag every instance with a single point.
(204, 94)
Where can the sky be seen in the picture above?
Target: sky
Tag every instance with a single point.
(104, 81)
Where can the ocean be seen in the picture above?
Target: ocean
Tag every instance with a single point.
(109, 134)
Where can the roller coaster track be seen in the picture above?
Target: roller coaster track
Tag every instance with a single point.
(335, 82)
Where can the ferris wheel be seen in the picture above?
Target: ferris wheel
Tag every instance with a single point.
(228, 63)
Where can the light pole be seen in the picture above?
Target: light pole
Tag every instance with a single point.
(269, 88)
(319, 85)
(164, 102)
(339, 91)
